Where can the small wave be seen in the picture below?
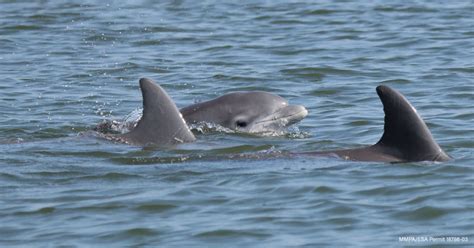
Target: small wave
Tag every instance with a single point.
(43, 17)
(387, 191)
(232, 153)
(414, 9)
(325, 92)
(325, 190)
(468, 70)
(321, 12)
(22, 27)
(101, 38)
(138, 232)
(41, 211)
(150, 42)
(141, 232)
(111, 176)
(343, 222)
(155, 207)
(216, 48)
(396, 81)
(320, 72)
(423, 213)
(237, 78)
(224, 233)
(306, 73)
(10, 177)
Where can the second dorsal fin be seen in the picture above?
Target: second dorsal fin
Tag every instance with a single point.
(405, 132)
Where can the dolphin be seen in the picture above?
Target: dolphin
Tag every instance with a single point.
(161, 123)
(406, 137)
(247, 112)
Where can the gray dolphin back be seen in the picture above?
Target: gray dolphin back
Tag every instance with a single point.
(161, 123)
(405, 133)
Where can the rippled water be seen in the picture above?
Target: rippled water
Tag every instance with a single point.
(67, 66)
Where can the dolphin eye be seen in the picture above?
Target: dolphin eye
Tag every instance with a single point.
(240, 123)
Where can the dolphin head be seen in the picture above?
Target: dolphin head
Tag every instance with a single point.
(249, 112)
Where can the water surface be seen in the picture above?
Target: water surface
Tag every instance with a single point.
(67, 66)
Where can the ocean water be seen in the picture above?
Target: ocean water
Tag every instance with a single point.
(66, 66)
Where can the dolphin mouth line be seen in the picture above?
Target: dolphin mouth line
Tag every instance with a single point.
(290, 118)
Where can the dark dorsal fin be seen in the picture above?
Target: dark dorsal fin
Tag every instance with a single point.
(405, 133)
(161, 123)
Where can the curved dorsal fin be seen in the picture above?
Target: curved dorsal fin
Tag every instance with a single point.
(405, 133)
(161, 123)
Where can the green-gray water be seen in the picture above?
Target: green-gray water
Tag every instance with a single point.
(67, 66)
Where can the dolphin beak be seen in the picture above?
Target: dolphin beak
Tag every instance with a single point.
(293, 114)
(285, 116)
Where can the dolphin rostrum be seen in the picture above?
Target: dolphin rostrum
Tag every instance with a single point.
(406, 137)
